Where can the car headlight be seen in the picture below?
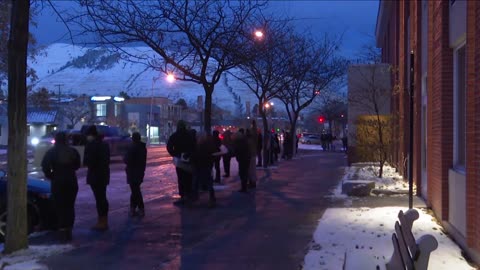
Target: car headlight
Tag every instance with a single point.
(34, 141)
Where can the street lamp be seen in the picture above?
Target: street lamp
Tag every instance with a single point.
(258, 34)
(170, 78)
(149, 126)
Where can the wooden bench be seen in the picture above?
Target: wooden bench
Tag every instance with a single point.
(408, 253)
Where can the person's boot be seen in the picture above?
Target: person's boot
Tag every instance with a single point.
(68, 234)
(132, 212)
(64, 235)
(102, 224)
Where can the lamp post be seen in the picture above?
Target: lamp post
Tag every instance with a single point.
(151, 113)
(410, 150)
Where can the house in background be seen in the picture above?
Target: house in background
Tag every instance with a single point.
(444, 37)
(155, 118)
(369, 94)
(39, 123)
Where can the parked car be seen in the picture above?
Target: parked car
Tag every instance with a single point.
(310, 139)
(113, 136)
(40, 211)
(116, 139)
(74, 137)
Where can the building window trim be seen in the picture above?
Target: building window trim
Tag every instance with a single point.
(101, 109)
(459, 110)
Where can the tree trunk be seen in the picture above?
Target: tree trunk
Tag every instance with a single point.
(207, 115)
(293, 134)
(266, 158)
(16, 237)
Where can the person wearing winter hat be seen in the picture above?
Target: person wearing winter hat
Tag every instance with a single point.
(136, 161)
(97, 160)
(59, 165)
(180, 146)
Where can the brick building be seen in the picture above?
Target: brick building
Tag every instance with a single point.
(443, 37)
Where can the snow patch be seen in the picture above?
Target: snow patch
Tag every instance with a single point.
(27, 259)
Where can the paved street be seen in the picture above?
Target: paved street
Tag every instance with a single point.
(269, 228)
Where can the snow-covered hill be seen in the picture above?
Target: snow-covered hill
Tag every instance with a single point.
(95, 71)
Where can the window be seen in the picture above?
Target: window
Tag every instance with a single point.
(459, 119)
(101, 109)
(117, 109)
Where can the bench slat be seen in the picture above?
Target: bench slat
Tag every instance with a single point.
(408, 235)
(396, 261)
(403, 247)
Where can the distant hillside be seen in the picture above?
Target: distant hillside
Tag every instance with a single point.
(77, 70)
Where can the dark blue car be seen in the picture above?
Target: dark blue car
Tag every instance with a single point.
(40, 212)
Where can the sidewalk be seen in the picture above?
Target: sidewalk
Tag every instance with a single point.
(295, 219)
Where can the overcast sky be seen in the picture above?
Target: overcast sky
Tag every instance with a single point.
(354, 20)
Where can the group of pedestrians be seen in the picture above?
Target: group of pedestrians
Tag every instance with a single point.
(196, 155)
(61, 162)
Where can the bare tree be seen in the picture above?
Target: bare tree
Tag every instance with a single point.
(5, 11)
(196, 41)
(41, 98)
(264, 73)
(369, 99)
(313, 67)
(333, 106)
(76, 111)
(16, 237)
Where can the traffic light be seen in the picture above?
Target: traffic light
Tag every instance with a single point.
(321, 119)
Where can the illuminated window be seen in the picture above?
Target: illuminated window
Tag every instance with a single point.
(101, 109)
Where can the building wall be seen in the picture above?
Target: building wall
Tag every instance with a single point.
(454, 201)
(473, 125)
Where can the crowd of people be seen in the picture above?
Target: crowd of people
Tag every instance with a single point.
(195, 156)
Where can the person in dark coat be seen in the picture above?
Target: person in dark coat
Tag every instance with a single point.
(136, 161)
(97, 160)
(180, 146)
(203, 161)
(217, 142)
(259, 148)
(287, 146)
(243, 155)
(59, 165)
(228, 143)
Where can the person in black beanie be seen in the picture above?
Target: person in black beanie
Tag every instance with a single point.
(97, 160)
(59, 165)
(180, 146)
(136, 161)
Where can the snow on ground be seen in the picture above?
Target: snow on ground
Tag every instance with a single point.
(27, 259)
(343, 230)
(309, 146)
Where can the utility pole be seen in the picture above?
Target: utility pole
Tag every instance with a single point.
(410, 149)
(59, 92)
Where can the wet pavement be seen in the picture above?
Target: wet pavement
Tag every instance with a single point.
(268, 228)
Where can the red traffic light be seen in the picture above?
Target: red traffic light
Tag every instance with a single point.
(321, 119)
